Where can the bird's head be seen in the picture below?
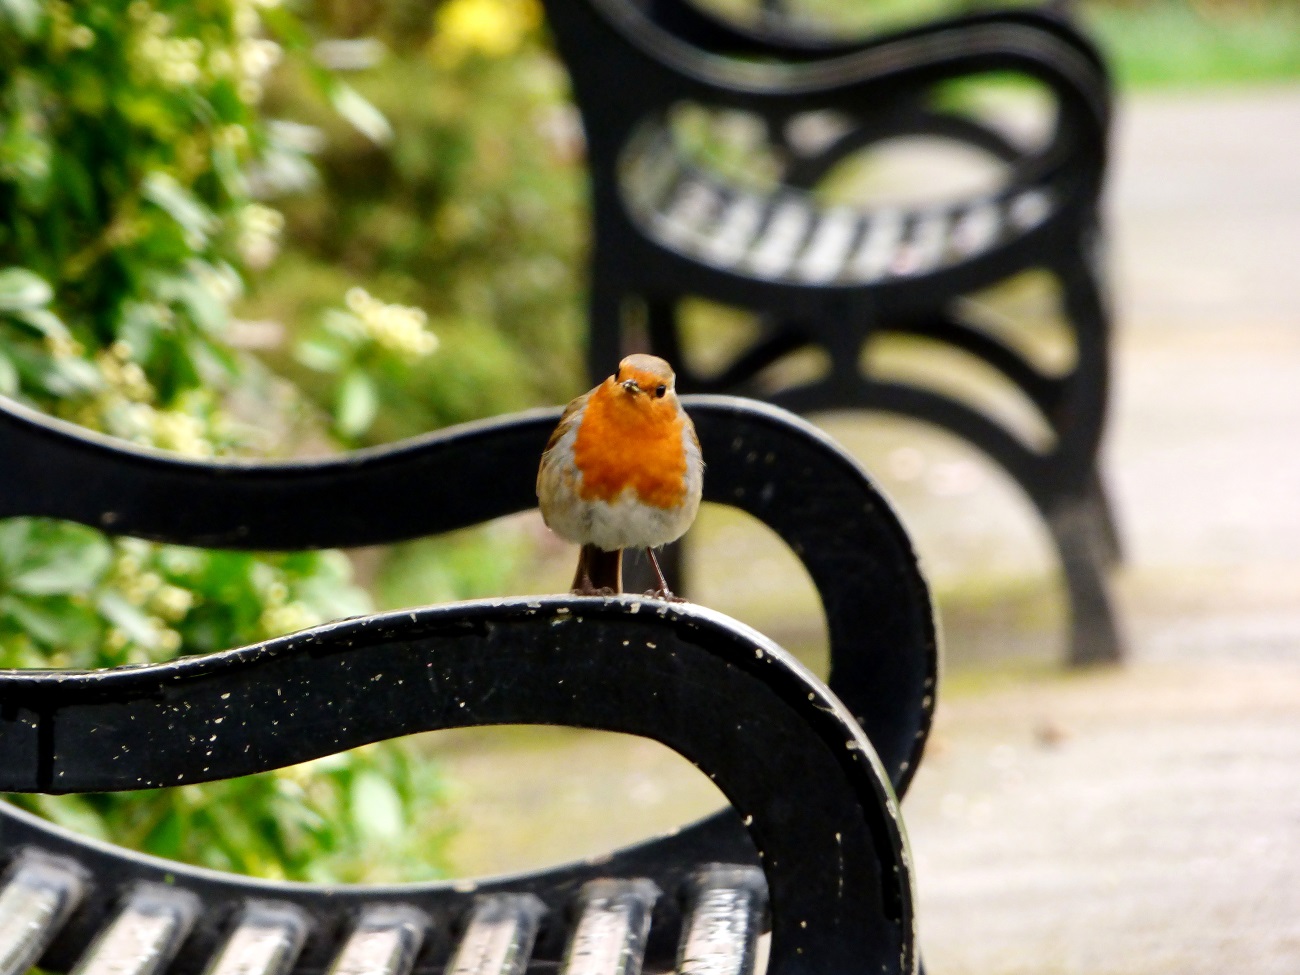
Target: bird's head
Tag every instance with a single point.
(648, 376)
(644, 386)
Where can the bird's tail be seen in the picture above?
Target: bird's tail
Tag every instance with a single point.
(603, 570)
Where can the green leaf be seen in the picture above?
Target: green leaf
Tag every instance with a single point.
(21, 290)
(181, 205)
(15, 537)
(131, 620)
(9, 381)
(71, 174)
(74, 813)
(138, 326)
(167, 838)
(25, 15)
(64, 569)
(321, 355)
(45, 322)
(208, 311)
(376, 807)
(70, 377)
(358, 404)
(213, 362)
(361, 114)
(25, 155)
(47, 626)
(226, 165)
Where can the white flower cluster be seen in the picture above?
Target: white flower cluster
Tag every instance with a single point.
(175, 60)
(280, 613)
(122, 375)
(160, 603)
(124, 406)
(259, 235)
(257, 56)
(181, 432)
(66, 33)
(166, 429)
(181, 61)
(221, 280)
(396, 328)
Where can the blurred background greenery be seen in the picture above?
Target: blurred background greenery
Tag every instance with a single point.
(1149, 42)
(239, 227)
(155, 157)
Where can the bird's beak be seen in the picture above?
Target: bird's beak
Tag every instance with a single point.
(631, 386)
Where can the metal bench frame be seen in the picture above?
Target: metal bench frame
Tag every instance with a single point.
(835, 278)
(812, 846)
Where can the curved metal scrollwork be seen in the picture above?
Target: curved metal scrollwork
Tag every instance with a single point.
(833, 277)
(761, 460)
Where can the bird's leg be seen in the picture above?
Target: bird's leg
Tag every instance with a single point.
(582, 577)
(600, 573)
(663, 592)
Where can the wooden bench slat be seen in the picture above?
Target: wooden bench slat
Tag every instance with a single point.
(1030, 208)
(691, 210)
(735, 230)
(780, 240)
(876, 253)
(39, 893)
(266, 941)
(614, 921)
(651, 172)
(144, 936)
(385, 941)
(499, 937)
(724, 916)
(977, 229)
(926, 246)
(832, 240)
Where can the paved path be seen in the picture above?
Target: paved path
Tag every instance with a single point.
(1148, 820)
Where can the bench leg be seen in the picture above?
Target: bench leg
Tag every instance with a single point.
(1086, 546)
(1104, 512)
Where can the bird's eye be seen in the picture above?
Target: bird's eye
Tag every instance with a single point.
(660, 390)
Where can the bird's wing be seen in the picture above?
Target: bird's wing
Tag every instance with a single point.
(571, 415)
(690, 431)
(567, 419)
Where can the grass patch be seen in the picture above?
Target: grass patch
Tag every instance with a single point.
(1175, 43)
(1152, 43)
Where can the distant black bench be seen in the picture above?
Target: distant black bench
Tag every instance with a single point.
(834, 278)
(812, 847)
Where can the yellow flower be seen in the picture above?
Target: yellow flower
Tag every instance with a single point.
(493, 28)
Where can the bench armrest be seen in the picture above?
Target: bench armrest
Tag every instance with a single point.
(805, 785)
(761, 459)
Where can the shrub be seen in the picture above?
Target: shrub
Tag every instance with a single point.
(136, 170)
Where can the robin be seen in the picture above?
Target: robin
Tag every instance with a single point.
(622, 470)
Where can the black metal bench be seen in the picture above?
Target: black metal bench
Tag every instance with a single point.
(811, 847)
(835, 277)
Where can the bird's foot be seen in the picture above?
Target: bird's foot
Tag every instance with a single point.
(666, 595)
(603, 591)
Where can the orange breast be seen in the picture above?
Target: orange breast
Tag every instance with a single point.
(630, 441)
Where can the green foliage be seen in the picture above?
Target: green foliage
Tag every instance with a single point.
(1149, 42)
(135, 166)
(1204, 42)
(475, 213)
(344, 818)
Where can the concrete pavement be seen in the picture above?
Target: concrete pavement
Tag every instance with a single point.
(1147, 820)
